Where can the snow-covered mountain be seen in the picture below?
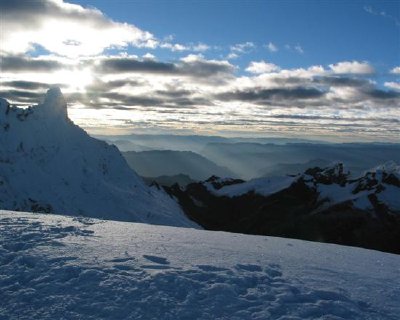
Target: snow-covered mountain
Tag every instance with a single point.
(322, 204)
(377, 186)
(48, 164)
(56, 267)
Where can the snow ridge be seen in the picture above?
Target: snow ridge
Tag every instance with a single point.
(379, 185)
(48, 164)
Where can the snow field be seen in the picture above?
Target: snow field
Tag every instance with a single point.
(56, 267)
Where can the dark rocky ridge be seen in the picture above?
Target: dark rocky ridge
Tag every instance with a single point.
(299, 211)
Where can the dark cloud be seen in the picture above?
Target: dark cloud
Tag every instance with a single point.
(204, 68)
(196, 68)
(174, 93)
(21, 96)
(21, 64)
(120, 101)
(383, 94)
(341, 81)
(339, 119)
(32, 12)
(29, 85)
(128, 65)
(257, 95)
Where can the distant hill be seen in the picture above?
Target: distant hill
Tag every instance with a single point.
(252, 160)
(169, 163)
(195, 143)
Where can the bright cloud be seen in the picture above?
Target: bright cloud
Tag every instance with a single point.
(65, 29)
(261, 67)
(243, 47)
(352, 67)
(271, 47)
(393, 85)
(395, 70)
(193, 86)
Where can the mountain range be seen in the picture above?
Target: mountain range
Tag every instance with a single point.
(157, 163)
(50, 165)
(321, 204)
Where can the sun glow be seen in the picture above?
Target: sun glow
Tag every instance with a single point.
(77, 80)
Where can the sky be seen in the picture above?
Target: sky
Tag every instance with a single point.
(312, 69)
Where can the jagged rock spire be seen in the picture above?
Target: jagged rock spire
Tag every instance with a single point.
(54, 103)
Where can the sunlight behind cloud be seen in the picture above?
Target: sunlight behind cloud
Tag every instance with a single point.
(68, 30)
(76, 80)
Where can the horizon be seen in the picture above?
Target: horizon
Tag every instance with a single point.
(140, 67)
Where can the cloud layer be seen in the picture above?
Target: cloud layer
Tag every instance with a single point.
(120, 91)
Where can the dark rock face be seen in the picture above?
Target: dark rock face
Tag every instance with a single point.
(296, 212)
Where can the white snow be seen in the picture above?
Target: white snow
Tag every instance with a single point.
(49, 164)
(56, 267)
(390, 196)
(386, 193)
(262, 186)
(387, 167)
(330, 194)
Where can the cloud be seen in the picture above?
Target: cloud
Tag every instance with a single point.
(23, 64)
(296, 48)
(191, 65)
(244, 47)
(200, 47)
(129, 65)
(184, 93)
(267, 96)
(232, 55)
(21, 96)
(28, 85)
(382, 14)
(352, 67)
(299, 49)
(261, 67)
(395, 70)
(65, 29)
(174, 46)
(149, 56)
(271, 47)
(393, 85)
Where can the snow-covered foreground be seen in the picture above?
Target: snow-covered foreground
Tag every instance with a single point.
(56, 267)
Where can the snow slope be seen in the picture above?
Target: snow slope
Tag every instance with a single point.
(48, 164)
(56, 267)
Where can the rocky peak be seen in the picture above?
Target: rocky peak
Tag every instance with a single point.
(329, 175)
(388, 173)
(54, 103)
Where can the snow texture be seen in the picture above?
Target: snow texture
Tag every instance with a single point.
(55, 267)
(48, 164)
